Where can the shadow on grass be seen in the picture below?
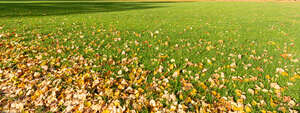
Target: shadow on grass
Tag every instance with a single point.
(66, 8)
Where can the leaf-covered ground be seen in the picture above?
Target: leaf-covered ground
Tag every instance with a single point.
(143, 57)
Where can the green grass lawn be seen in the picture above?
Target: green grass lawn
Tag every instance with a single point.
(149, 56)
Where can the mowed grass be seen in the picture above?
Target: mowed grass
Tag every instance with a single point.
(149, 56)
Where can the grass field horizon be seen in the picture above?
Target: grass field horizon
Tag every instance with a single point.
(141, 56)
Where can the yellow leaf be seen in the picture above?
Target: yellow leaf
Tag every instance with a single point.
(284, 74)
(117, 94)
(238, 92)
(268, 77)
(21, 85)
(43, 63)
(248, 109)
(80, 81)
(235, 108)
(271, 43)
(240, 109)
(176, 73)
(203, 85)
(240, 100)
(36, 95)
(214, 93)
(86, 75)
(139, 81)
(253, 103)
(171, 66)
(88, 104)
(188, 100)
(272, 103)
(117, 103)
(180, 97)
(193, 92)
(139, 70)
(155, 72)
(60, 103)
(105, 111)
(297, 76)
(120, 87)
(21, 93)
(140, 90)
(69, 80)
(131, 76)
(163, 56)
(200, 65)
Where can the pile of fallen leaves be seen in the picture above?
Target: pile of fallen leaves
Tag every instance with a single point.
(66, 78)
